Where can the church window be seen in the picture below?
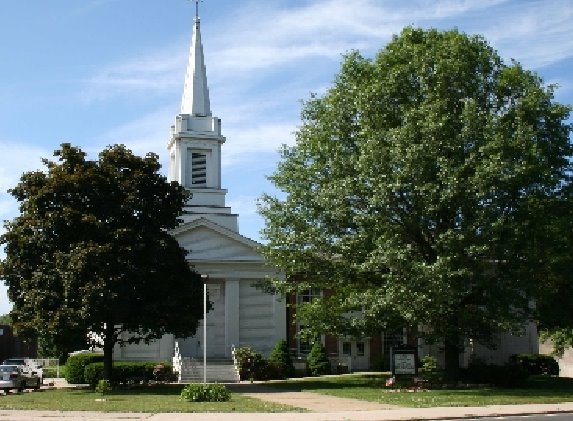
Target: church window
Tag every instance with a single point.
(392, 339)
(360, 349)
(306, 296)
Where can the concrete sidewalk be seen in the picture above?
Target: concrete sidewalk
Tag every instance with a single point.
(370, 415)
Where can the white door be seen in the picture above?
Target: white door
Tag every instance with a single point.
(356, 352)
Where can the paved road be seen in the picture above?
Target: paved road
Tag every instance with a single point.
(534, 417)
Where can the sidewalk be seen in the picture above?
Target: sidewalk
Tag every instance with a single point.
(341, 415)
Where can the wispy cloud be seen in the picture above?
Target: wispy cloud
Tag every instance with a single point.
(249, 144)
(156, 72)
(540, 33)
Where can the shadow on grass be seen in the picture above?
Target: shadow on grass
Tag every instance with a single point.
(154, 389)
(535, 386)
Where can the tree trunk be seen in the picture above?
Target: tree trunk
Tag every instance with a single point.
(452, 358)
(108, 345)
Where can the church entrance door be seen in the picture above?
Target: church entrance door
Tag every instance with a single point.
(357, 352)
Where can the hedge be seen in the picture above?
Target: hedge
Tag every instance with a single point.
(76, 364)
(506, 376)
(125, 372)
(537, 364)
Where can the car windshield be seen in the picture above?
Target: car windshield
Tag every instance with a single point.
(14, 361)
(8, 368)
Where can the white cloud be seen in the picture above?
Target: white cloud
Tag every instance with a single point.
(537, 35)
(15, 159)
(156, 72)
(248, 144)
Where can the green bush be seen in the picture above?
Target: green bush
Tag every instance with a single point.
(508, 375)
(317, 360)
(205, 393)
(280, 360)
(125, 372)
(93, 373)
(76, 365)
(252, 365)
(163, 373)
(429, 369)
(537, 364)
(103, 387)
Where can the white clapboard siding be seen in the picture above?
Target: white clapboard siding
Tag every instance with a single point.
(256, 318)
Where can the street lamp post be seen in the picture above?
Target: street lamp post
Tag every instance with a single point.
(205, 278)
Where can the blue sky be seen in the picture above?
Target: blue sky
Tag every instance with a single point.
(99, 72)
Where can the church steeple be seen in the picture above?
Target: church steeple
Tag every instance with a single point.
(195, 99)
(195, 144)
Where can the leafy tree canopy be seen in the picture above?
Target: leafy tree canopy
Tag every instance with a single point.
(90, 250)
(418, 190)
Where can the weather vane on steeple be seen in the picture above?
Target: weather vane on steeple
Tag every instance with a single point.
(197, 7)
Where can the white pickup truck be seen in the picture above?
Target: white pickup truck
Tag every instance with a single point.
(29, 367)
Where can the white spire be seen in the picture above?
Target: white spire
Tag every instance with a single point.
(196, 92)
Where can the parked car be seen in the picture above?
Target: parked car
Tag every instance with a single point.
(13, 377)
(29, 367)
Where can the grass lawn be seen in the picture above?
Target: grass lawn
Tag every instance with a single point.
(148, 399)
(539, 389)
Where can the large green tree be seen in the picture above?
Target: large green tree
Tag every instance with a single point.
(555, 303)
(90, 251)
(416, 191)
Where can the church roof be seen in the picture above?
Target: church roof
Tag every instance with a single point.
(195, 99)
(212, 226)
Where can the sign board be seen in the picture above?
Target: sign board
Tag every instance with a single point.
(404, 361)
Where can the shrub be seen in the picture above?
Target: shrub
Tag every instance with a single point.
(537, 364)
(93, 373)
(103, 387)
(507, 375)
(429, 369)
(252, 365)
(205, 393)
(76, 365)
(280, 360)
(163, 373)
(124, 372)
(317, 360)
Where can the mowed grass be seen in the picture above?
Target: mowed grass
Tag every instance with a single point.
(145, 399)
(539, 389)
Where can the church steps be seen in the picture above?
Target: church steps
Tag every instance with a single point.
(218, 371)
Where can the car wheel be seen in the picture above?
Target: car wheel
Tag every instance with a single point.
(37, 385)
(22, 387)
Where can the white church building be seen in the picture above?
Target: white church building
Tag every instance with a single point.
(242, 315)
